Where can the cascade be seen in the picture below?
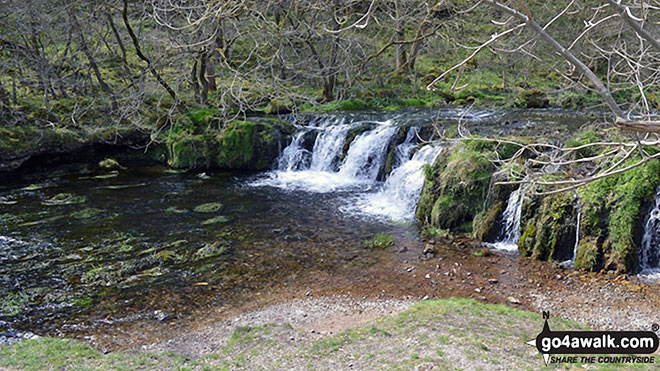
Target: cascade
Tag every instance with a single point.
(649, 252)
(511, 216)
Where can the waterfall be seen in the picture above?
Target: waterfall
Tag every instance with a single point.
(368, 153)
(577, 235)
(294, 156)
(322, 170)
(318, 168)
(649, 252)
(511, 216)
(328, 145)
(398, 197)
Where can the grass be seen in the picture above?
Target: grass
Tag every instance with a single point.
(379, 241)
(448, 334)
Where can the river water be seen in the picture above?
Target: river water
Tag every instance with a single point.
(82, 247)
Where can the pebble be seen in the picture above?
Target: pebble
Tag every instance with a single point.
(513, 300)
(493, 281)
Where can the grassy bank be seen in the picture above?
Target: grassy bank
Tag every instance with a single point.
(449, 334)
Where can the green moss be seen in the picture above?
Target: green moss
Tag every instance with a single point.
(247, 145)
(485, 223)
(588, 255)
(554, 226)
(110, 164)
(379, 241)
(391, 150)
(64, 199)
(351, 135)
(216, 220)
(211, 207)
(611, 212)
(191, 151)
(86, 213)
(527, 240)
(456, 188)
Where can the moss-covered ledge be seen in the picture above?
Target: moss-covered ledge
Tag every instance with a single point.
(234, 145)
(458, 194)
(19, 144)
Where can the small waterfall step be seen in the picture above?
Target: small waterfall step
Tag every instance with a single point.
(649, 252)
(511, 218)
(320, 168)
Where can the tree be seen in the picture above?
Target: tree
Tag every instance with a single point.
(627, 44)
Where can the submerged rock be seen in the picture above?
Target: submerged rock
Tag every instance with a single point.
(217, 219)
(110, 164)
(86, 213)
(211, 207)
(64, 199)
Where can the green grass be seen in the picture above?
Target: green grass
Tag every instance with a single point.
(443, 333)
(379, 241)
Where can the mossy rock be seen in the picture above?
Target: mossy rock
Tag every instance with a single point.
(86, 213)
(612, 213)
(248, 145)
(457, 186)
(211, 207)
(191, 151)
(110, 164)
(588, 255)
(352, 134)
(211, 249)
(218, 219)
(391, 149)
(64, 199)
(555, 227)
(486, 223)
(527, 240)
(532, 98)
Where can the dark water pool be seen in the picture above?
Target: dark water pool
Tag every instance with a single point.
(81, 246)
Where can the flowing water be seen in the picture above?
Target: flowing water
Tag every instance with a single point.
(83, 248)
(649, 255)
(511, 218)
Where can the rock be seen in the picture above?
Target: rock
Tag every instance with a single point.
(403, 249)
(429, 250)
(492, 281)
(477, 290)
(513, 300)
(211, 207)
(110, 164)
(161, 316)
(427, 276)
(86, 213)
(64, 199)
(217, 219)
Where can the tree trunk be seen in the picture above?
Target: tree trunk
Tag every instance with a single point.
(91, 59)
(138, 51)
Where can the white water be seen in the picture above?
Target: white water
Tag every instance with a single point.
(511, 217)
(649, 253)
(368, 153)
(320, 169)
(294, 156)
(328, 145)
(398, 197)
(577, 236)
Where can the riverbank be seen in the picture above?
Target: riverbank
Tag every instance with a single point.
(459, 269)
(401, 315)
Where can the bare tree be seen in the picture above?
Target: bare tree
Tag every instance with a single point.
(627, 44)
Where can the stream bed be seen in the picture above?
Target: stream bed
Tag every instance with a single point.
(84, 249)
